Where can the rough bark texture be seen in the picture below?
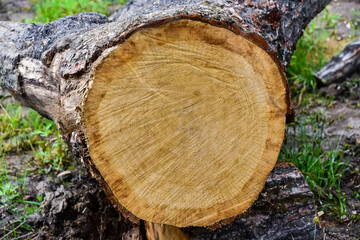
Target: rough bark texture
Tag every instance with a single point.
(280, 23)
(284, 210)
(82, 211)
(342, 66)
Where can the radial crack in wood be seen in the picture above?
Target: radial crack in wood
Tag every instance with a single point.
(185, 122)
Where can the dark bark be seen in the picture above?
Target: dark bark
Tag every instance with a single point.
(81, 211)
(27, 52)
(342, 66)
(280, 23)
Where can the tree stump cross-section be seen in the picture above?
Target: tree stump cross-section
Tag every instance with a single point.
(190, 122)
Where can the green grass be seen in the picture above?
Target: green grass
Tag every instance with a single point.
(12, 192)
(50, 10)
(36, 141)
(32, 133)
(312, 52)
(305, 146)
(305, 142)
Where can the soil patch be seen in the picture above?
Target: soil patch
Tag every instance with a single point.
(349, 16)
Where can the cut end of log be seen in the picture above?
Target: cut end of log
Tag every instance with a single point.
(185, 121)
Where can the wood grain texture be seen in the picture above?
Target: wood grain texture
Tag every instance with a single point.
(186, 119)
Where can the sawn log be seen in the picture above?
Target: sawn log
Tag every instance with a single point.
(180, 105)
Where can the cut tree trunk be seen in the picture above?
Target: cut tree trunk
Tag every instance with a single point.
(342, 66)
(180, 106)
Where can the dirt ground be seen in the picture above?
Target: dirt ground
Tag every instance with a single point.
(344, 8)
(95, 219)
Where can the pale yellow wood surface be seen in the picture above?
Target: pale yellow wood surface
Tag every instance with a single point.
(185, 122)
(156, 231)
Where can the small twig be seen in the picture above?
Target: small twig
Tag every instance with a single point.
(12, 230)
(9, 224)
(24, 236)
(300, 97)
(7, 114)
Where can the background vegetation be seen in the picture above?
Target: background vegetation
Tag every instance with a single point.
(306, 144)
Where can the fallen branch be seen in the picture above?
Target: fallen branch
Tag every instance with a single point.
(342, 66)
(12, 230)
